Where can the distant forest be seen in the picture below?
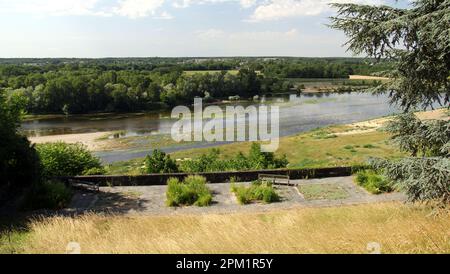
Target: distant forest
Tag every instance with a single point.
(73, 86)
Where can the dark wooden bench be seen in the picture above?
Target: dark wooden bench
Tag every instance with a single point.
(275, 179)
(84, 185)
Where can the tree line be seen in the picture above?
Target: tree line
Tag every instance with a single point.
(74, 86)
(94, 90)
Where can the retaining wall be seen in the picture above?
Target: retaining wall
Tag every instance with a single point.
(213, 177)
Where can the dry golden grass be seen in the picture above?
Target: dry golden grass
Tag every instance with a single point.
(397, 227)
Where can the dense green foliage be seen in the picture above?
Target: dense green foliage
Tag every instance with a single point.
(422, 179)
(19, 163)
(373, 182)
(416, 40)
(73, 89)
(258, 191)
(192, 191)
(159, 162)
(62, 159)
(139, 84)
(47, 195)
(321, 68)
(420, 138)
(255, 160)
(425, 175)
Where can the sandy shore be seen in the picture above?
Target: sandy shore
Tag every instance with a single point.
(88, 139)
(372, 125)
(366, 77)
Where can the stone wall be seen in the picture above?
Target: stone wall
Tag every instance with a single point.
(213, 177)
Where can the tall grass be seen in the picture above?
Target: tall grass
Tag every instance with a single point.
(192, 191)
(373, 182)
(258, 191)
(398, 228)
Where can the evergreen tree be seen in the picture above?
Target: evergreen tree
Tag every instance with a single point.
(417, 41)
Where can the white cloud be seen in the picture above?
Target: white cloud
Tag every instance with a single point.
(263, 10)
(128, 8)
(137, 8)
(51, 7)
(278, 9)
(247, 3)
(188, 3)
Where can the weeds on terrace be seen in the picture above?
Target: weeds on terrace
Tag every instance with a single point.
(192, 191)
(373, 182)
(258, 191)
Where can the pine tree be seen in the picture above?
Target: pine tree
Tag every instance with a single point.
(417, 41)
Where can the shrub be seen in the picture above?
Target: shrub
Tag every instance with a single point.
(255, 160)
(206, 163)
(47, 195)
(159, 162)
(257, 191)
(373, 182)
(19, 163)
(62, 159)
(192, 191)
(369, 146)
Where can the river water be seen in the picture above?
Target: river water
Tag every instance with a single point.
(297, 114)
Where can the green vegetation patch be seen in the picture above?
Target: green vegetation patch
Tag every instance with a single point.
(256, 159)
(323, 134)
(258, 191)
(47, 195)
(192, 191)
(373, 182)
(323, 192)
(62, 159)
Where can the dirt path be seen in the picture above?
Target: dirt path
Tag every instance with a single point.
(151, 199)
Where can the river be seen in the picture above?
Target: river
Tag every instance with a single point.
(297, 114)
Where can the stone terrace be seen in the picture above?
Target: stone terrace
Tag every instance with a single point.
(151, 199)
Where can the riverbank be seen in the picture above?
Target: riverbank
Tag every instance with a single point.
(90, 140)
(341, 145)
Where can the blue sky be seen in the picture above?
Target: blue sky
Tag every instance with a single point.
(147, 28)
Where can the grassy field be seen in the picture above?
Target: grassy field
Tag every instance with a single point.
(319, 148)
(398, 228)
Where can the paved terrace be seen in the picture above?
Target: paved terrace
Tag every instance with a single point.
(151, 199)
